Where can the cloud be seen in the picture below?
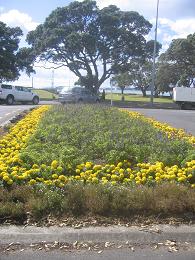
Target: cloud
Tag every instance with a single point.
(170, 29)
(43, 77)
(174, 9)
(16, 18)
(1, 9)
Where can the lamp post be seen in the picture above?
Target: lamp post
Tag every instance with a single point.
(32, 82)
(111, 84)
(154, 56)
(52, 79)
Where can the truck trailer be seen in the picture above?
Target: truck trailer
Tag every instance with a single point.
(184, 97)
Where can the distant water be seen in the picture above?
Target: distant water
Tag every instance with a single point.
(131, 91)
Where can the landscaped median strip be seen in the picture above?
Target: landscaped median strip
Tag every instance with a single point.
(14, 170)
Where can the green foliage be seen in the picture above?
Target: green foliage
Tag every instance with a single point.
(13, 59)
(167, 76)
(138, 71)
(122, 80)
(177, 63)
(91, 42)
(74, 134)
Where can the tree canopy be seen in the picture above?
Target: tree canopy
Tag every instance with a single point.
(121, 80)
(13, 59)
(177, 64)
(93, 43)
(138, 71)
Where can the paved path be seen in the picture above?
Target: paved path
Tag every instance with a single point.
(177, 118)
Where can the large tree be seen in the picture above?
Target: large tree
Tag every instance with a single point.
(180, 58)
(121, 80)
(138, 71)
(12, 59)
(166, 77)
(93, 43)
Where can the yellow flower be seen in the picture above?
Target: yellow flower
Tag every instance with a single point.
(32, 182)
(78, 171)
(10, 182)
(62, 178)
(120, 164)
(6, 178)
(54, 176)
(54, 164)
(94, 180)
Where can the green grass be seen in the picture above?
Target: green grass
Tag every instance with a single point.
(139, 98)
(44, 94)
(74, 134)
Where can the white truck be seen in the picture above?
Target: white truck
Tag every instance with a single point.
(184, 97)
(10, 94)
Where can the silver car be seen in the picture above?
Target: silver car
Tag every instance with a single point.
(77, 94)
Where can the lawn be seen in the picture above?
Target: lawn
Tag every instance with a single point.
(44, 94)
(139, 98)
(92, 159)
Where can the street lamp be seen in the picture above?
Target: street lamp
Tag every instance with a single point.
(32, 83)
(52, 79)
(154, 56)
(111, 84)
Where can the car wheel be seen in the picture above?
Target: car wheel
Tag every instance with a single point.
(10, 100)
(97, 101)
(185, 106)
(80, 100)
(35, 101)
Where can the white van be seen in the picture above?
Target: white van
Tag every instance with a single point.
(10, 93)
(184, 97)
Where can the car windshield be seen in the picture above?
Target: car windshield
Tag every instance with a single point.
(66, 90)
(71, 90)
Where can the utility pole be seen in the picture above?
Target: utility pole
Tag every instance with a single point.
(111, 100)
(32, 85)
(52, 79)
(154, 56)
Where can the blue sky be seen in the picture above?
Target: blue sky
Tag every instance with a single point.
(176, 20)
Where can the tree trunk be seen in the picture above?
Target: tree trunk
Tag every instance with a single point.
(143, 92)
(122, 93)
(156, 95)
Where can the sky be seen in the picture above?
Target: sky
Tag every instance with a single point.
(176, 20)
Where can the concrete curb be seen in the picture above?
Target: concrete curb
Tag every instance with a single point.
(146, 235)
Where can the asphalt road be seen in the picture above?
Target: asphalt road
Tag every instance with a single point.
(8, 112)
(147, 253)
(184, 119)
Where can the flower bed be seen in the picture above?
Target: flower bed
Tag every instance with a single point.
(93, 144)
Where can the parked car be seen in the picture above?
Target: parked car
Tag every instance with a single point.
(10, 93)
(77, 94)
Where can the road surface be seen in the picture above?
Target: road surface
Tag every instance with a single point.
(147, 253)
(8, 112)
(184, 119)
